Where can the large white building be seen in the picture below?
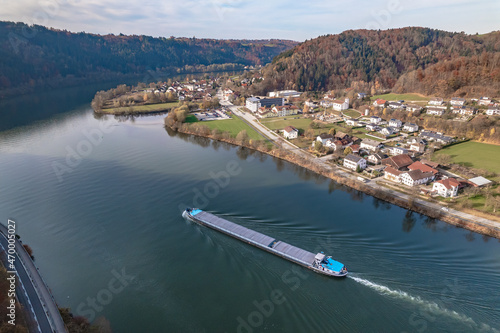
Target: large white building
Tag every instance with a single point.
(446, 187)
(352, 162)
(290, 132)
(339, 105)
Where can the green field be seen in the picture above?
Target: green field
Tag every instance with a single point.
(352, 113)
(233, 126)
(405, 97)
(281, 123)
(142, 108)
(476, 155)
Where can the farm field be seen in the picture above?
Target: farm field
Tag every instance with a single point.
(405, 97)
(352, 113)
(233, 126)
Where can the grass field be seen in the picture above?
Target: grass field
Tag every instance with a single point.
(280, 123)
(233, 126)
(142, 108)
(352, 113)
(475, 154)
(405, 97)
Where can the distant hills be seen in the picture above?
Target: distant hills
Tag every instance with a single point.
(428, 61)
(34, 55)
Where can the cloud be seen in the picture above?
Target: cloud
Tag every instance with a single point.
(252, 19)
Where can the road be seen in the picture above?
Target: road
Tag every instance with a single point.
(39, 298)
(322, 162)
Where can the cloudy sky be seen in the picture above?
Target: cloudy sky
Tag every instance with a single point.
(257, 19)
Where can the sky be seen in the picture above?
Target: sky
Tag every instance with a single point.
(256, 19)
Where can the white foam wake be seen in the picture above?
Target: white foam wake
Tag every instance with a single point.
(431, 307)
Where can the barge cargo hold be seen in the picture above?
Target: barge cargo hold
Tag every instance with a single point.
(320, 263)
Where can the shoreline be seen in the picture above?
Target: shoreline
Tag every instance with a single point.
(387, 196)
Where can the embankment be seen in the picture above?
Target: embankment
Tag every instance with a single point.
(413, 204)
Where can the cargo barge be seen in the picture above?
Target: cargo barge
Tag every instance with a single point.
(320, 263)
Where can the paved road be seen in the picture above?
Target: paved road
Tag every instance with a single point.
(250, 118)
(39, 298)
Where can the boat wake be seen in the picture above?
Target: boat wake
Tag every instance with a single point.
(431, 307)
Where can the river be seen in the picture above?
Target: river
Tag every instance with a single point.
(99, 200)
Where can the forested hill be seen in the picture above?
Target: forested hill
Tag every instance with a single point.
(376, 60)
(32, 55)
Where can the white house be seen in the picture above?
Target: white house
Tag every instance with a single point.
(376, 158)
(370, 144)
(457, 101)
(435, 111)
(416, 177)
(396, 105)
(398, 151)
(392, 174)
(290, 132)
(286, 110)
(409, 127)
(372, 127)
(323, 138)
(395, 123)
(484, 101)
(446, 187)
(413, 107)
(418, 147)
(354, 161)
(493, 110)
(387, 131)
(436, 101)
(375, 120)
(339, 105)
(379, 103)
(351, 122)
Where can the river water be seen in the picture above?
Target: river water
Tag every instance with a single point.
(99, 200)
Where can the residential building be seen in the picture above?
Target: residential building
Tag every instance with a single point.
(438, 137)
(369, 144)
(422, 167)
(396, 105)
(351, 122)
(324, 137)
(253, 104)
(372, 127)
(398, 151)
(398, 162)
(395, 123)
(484, 101)
(387, 131)
(436, 101)
(416, 177)
(413, 108)
(409, 127)
(379, 103)
(433, 165)
(457, 101)
(417, 147)
(466, 111)
(435, 111)
(392, 174)
(285, 110)
(375, 120)
(290, 132)
(376, 158)
(493, 110)
(352, 162)
(361, 95)
(339, 105)
(446, 187)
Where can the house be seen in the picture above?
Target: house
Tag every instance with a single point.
(370, 144)
(416, 139)
(462, 110)
(351, 122)
(484, 101)
(457, 101)
(339, 105)
(433, 165)
(398, 162)
(379, 103)
(372, 127)
(395, 123)
(417, 147)
(387, 131)
(433, 136)
(324, 137)
(416, 177)
(396, 105)
(285, 110)
(361, 95)
(435, 111)
(493, 110)
(311, 104)
(422, 167)
(290, 132)
(446, 187)
(436, 101)
(409, 127)
(354, 162)
(376, 158)
(355, 149)
(398, 151)
(413, 108)
(375, 120)
(392, 174)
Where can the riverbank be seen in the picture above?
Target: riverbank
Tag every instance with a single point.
(139, 109)
(417, 205)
